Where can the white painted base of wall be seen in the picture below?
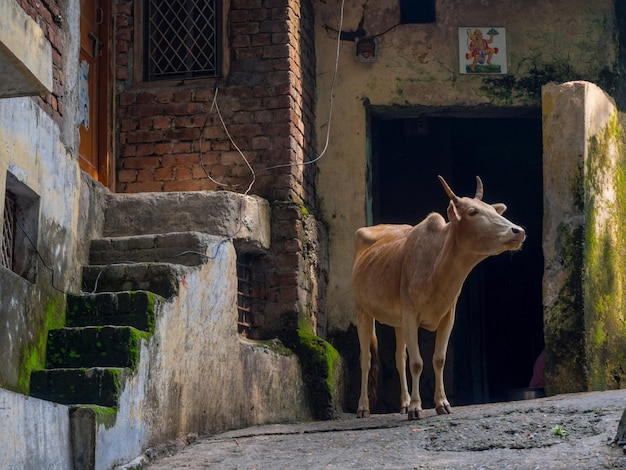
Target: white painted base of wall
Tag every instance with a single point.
(34, 433)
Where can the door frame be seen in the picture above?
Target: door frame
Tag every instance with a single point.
(104, 171)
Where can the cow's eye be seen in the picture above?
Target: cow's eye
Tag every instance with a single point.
(472, 211)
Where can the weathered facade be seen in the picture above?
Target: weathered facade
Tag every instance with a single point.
(152, 275)
(251, 173)
(414, 112)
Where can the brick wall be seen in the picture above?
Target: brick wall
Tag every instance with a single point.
(170, 135)
(170, 138)
(49, 17)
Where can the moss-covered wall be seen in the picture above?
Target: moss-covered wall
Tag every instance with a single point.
(39, 166)
(33, 352)
(583, 240)
(604, 276)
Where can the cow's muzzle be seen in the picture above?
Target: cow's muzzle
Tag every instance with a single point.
(518, 237)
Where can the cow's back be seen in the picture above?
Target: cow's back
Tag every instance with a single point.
(381, 251)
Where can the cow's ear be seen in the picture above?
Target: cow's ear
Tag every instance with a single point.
(453, 215)
(499, 207)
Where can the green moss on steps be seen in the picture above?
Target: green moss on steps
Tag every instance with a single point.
(33, 354)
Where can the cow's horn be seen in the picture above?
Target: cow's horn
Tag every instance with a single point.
(479, 188)
(447, 189)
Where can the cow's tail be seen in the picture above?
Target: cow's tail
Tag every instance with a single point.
(372, 379)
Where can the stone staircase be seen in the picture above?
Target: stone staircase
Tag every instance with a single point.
(143, 248)
(89, 359)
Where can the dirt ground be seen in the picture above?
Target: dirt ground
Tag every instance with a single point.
(562, 432)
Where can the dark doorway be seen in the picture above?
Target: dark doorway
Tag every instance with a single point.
(498, 332)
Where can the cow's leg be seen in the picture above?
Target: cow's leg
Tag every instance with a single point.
(416, 364)
(439, 360)
(405, 399)
(365, 330)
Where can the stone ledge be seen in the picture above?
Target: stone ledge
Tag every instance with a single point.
(243, 219)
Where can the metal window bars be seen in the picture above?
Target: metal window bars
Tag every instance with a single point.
(8, 231)
(182, 39)
(244, 293)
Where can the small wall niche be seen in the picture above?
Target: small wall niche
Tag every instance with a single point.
(20, 227)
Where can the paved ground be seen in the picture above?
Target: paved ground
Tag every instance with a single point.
(562, 432)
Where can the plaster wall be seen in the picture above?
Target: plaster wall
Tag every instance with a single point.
(37, 144)
(31, 150)
(417, 71)
(34, 433)
(25, 54)
(582, 239)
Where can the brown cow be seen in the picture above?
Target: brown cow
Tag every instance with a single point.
(411, 276)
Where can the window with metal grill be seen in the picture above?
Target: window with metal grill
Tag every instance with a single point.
(244, 294)
(182, 39)
(251, 294)
(20, 226)
(8, 231)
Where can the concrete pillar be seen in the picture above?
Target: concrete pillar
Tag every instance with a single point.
(583, 240)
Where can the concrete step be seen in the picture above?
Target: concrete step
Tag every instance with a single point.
(95, 385)
(93, 346)
(160, 278)
(137, 309)
(187, 248)
(224, 214)
(85, 420)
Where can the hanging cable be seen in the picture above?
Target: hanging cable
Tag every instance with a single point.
(330, 110)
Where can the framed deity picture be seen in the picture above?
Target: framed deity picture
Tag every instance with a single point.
(482, 50)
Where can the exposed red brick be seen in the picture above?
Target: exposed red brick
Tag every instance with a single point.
(163, 174)
(240, 16)
(148, 186)
(145, 136)
(163, 148)
(127, 175)
(144, 149)
(181, 134)
(126, 150)
(139, 163)
(246, 4)
(161, 122)
(181, 147)
(204, 94)
(186, 185)
(145, 175)
(179, 160)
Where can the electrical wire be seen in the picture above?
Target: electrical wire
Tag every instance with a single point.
(252, 171)
(284, 165)
(42, 260)
(219, 114)
(330, 108)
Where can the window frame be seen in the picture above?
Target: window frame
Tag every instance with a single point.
(140, 51)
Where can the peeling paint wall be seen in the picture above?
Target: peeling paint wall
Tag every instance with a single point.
(417, 70)
(31, 150)
(38, 164)
(34, 433)
(197, 373)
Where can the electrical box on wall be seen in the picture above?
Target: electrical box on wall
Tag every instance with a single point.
(365, 49)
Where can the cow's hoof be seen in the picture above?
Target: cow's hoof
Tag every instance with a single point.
(415, 414)
(404, 410)
(443, 410)
(363, 414)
